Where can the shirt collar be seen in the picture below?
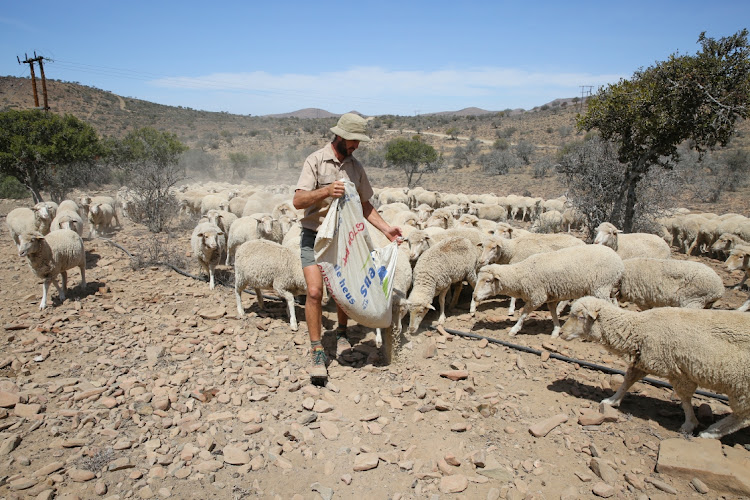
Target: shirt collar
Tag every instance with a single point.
(330, 155)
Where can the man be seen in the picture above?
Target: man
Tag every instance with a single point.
(319, 183)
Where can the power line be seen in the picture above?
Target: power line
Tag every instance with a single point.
(39, 60)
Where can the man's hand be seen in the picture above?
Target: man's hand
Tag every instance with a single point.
(393, 233)
(336, 189)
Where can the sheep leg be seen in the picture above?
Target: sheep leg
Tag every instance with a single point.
(684, 390)
(290, 306)
(512, 306)
(441, 300)
(745, 306)
(555, 320)
(238, 287)
(726, 425)
(62, 290)
(473, 305)
(632, 376)
(82, 267)
(456, 293)
(527, 309)
(259, 298)
(378, 338)
(561, 306)
(211, 268)
(45, 291)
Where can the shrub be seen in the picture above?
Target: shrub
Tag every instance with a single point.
(11, 189)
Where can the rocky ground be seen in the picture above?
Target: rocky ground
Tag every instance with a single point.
(147, 385)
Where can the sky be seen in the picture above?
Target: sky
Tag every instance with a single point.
(387, 57)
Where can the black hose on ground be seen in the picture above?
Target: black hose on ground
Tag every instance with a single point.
(593, 366)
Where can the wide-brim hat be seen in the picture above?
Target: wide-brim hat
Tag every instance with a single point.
(351, 127)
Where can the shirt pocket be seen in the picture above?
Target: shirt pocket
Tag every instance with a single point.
(326, 179)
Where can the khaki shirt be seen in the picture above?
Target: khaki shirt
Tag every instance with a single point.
(322, 168)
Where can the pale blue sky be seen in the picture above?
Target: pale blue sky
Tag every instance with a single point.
(386, 57)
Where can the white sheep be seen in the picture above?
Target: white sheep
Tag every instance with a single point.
(648, 283)
(100, 216)
(726, 242)
(402, 281)
(207, 243)
(453, 260)
(68, 219)
(262, 264)
(690, 347)
(23, 220)
(87, 201)
(256, 226)
(216, 201)
(70, 205)
(633, 244)
(420, 240)
(442, 217)
(740, 259)
(493, 212)
(52, 255)
(551, 277)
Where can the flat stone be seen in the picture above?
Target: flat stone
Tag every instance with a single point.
(120, 464)
(661, 485)
(603, 490)
(250, 429)
(603, 470)
(9, 399)
(543, 428)
(324, 491)
(455, 374)
(699, 486)
(9, 444)
(453, 484)
(214, 313)
(705, 460)
(233, 455)
(365, 461)
(80, 475)
(209, 466)
(329, 430)
(22, 483)
(27, 410)
(49, 469)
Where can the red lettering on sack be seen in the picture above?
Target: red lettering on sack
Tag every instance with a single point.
(358, 228)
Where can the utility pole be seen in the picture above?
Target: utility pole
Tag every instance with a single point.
(30, 62)
(585, 92)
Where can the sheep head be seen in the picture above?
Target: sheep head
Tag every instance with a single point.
(739, 258)
(583, 313)
(417, 312)
(29, 243)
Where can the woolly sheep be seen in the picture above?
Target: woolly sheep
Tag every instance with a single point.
(253, 227)
(549, 222)
(726, 242)
(216, 201)
(100, 217)
(505, 230)
(52, 208)
(631, 245)
(453, 260)
(492, 212)
(419, 196)
(648, 283)
(87, 201)
(740, 259)
(423, 212)
(262, 264)
(440, 218)
(237, 205)
(68, 219)
(207, 243)
(690, 347)
(53, 255)
(394, 195)
(69, 205)
(402, 280)
(420, 240)
(23, 220)
(548, 278)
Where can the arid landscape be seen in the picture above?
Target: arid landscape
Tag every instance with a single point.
(146, 384)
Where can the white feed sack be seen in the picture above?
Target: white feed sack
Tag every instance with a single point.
(358, 277)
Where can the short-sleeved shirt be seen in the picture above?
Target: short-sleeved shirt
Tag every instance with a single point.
(322, 168)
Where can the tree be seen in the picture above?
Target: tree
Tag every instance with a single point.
(524, 150)
(697, 98)
(47, 151)
(239, 162)
(413, 157)
(498, 161)
(150, 159)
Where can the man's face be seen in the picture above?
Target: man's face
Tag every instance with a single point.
(346, 147)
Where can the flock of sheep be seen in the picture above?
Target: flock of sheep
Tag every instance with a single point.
(455, 238)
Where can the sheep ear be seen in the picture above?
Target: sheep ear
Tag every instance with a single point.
(592, 314)
(429, 306)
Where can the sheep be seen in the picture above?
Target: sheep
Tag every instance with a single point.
(402, 280)
(505, 230)
(393, 195)
(491, 212)
(216, 201)
(423, 212)
(100, 217)
(207, 243)
(70, 205)
(453, 260)
(548, 222)
(237, 205)
(68, 219)
(125, 198)
(419, 196)
(87, 201)
(633, 244)
(262, 264)
(648, 283)
(740, 259)
(256, 226)
(441, 217)
(726, 242)
(566, 274)
(52, 208)
(51, 255)
(690, 347)
(487, 227)
(22, 220)
(420, 240)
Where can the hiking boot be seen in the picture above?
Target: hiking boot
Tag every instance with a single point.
(318, 369)
(342, 346)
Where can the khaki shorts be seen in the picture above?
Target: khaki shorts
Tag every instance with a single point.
(306, 244)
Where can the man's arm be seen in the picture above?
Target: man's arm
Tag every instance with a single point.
(374, 218)
(303, 199)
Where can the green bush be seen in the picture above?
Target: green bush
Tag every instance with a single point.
(12, 189)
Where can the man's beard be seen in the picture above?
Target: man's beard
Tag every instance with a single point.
(341, 148)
